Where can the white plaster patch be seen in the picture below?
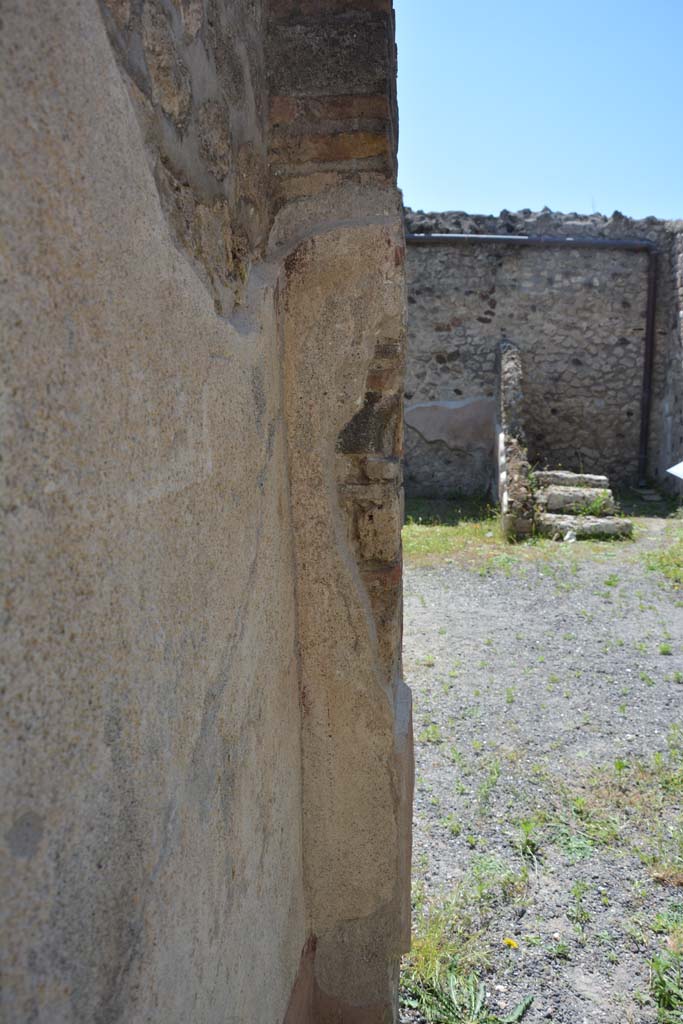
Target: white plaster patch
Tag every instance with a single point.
(465, 423)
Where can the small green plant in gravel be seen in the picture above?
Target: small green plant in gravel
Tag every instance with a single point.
(577, 912)
(665, 854)
(456, 757)
(454, 999)
(560, 951)
(489, 783)
(669, 559)
(605, 938)
(449, 941)
(670, 922)
(527, 841)
(636, 805)
(430, 734)
(665, 648)
(639, 893)
(452, 824)
(666, 985)
(430, 661)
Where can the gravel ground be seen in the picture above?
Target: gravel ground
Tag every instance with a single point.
(539, 689)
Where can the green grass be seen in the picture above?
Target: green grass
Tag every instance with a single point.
(577, 912)
(430, 734)
(453, 999)
(435, 530)
(450, 951)
(468, 531)
(489, 784)
(634, 805)
(666, 967)
(666, 985)
(527, 841)
(600, 505)
(668, 559)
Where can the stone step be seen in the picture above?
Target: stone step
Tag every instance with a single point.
(647, 494)
(575, 499)
(563, 478)
(582, 527)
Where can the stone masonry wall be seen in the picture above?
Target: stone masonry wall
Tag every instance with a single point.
(206, 738)
(672, 444)
(332, 69)
(512, 470)
(578, 317)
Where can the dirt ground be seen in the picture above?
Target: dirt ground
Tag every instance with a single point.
(548, 822)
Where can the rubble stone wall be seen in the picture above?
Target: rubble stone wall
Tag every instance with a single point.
(513, 484)
(578, 317)
(207, 785)
(672, 447)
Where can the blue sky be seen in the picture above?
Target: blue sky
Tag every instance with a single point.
(562, 103)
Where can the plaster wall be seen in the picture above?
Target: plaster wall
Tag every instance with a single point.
(578, 317)
(152, 712)
(206, 738)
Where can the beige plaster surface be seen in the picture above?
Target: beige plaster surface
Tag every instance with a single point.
(344, 294)
(461, 424)
(151, 854)
(207, 758)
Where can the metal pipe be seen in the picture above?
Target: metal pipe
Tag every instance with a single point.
(634, 244)
(648, 367)
(626, 244)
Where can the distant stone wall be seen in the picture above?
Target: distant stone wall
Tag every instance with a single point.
(206, 737)
(512, 470)
(578, 317)
(672, 441)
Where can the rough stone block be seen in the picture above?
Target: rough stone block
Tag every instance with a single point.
(329, 148)
(575, 499)
(295, 9)
(558, 526)
(563, 478)
(378, 531)
(170, 78)
(309, 111)
(375, 428)
(330, 56)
